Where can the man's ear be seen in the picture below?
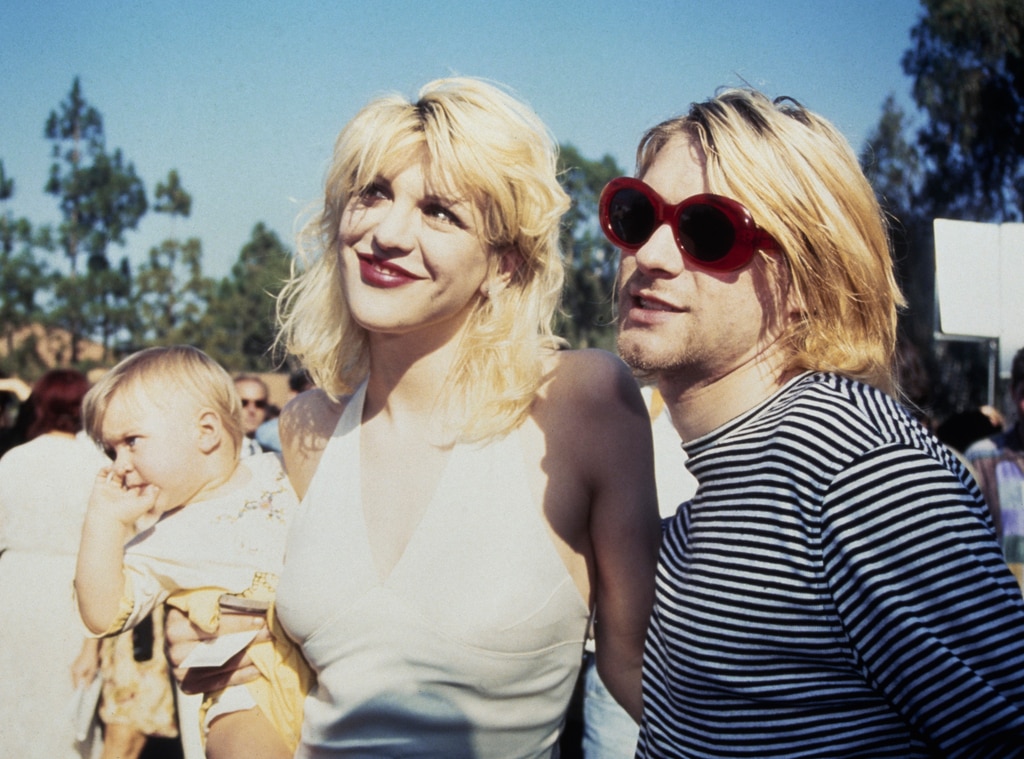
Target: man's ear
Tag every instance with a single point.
(210, 430)
(792, 306)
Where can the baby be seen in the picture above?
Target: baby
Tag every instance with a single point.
(170, 421)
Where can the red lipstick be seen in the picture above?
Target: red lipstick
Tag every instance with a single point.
(377, 272)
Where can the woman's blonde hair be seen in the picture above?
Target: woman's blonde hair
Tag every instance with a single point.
(156, 375)
(802, 183)
(480, 143)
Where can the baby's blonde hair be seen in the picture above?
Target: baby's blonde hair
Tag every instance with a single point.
(480, 143)
(802, 183)
(156, 373)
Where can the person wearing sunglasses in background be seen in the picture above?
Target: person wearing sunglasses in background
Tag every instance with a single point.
(834, 587)
(255, 397)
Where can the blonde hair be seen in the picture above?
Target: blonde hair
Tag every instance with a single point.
(156, 373)
(802, 183)
(486, 145)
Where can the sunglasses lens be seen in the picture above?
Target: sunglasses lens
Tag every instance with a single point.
(631, 217)
(706, 232)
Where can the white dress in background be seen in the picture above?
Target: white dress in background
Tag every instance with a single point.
(44, 490)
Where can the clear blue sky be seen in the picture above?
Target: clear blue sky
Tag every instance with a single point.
(244, 98)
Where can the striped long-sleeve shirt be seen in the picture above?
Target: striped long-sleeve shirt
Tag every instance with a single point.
(834, 589)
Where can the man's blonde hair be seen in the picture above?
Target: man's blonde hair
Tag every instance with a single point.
(157, 375)
(802, 183)
(480, 143)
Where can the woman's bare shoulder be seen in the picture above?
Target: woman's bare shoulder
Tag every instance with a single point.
(312, 412)
(307, 423)
(589, 377)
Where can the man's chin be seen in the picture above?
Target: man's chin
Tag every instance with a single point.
(637, 356)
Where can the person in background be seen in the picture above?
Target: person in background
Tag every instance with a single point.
(13, 391)
(136, 697)
(962, 429)
(255, 397)
(834, 587)
(15, 412)
(44, 489)
(998, 463)
(268, 435)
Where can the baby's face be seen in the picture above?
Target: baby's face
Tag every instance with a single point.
(156, 443)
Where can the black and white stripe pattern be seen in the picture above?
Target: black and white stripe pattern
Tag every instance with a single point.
(834, 589)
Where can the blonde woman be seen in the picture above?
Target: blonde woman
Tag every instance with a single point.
(480, 493)
(471, 493)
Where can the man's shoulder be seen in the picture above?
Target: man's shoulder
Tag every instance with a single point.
(825, 392)
(840, 391)
(821, 400)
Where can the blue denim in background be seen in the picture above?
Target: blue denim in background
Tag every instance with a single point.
(608, 730)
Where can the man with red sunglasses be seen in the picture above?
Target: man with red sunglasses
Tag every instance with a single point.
(834, 587)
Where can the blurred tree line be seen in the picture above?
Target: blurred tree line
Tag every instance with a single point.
(64, 280)
(959, 156)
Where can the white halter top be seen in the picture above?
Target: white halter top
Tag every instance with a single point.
(469, 648)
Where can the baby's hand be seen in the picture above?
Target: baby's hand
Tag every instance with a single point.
(113, 497)
(86, 664)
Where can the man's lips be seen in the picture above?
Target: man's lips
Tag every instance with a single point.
(649, 302)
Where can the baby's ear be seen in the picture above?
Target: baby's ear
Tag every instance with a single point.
(210, 429)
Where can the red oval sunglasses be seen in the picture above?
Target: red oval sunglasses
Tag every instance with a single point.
(713, 231)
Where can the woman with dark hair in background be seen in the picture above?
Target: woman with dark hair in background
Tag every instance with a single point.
(44, 489)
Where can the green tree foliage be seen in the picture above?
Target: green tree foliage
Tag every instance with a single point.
(967, 62)
(239, 325)
(891, 162)
(171, 292)
(171, 197)
(587, 316)
(893, 165)
(109, 306)
(965, 161)
(100, 197)
(23, 277)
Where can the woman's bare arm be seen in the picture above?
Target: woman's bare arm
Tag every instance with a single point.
(597, 420)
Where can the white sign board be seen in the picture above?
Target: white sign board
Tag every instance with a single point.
(979, 282)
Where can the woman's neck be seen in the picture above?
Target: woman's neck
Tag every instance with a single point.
(407, 374)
